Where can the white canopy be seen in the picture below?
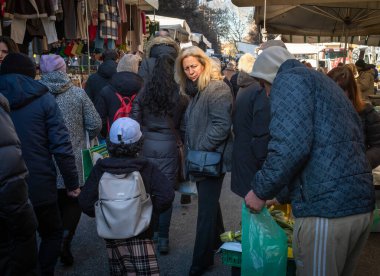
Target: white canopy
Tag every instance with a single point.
(146, 5)
(246, 47)
(178, 26)
(303, 48)
(198, 38)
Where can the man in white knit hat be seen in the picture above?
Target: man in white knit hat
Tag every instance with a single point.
(316, 160)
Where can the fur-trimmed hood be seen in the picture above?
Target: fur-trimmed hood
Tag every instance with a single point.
(160, 40)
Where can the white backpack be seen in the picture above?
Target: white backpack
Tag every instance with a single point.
(124, 209)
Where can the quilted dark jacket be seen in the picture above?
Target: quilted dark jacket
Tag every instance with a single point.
(317, 148)
(160, 144)
(17, 219)
(127, 84)
(43, 134)
(371, 125)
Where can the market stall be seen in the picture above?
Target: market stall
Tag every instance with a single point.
(178, 28)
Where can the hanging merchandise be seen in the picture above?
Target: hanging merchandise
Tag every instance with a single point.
(108, 22)
(69, 48)
(153, 28)
(79, 49)
(34, 17)
(74, 49)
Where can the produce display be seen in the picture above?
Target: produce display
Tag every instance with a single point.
(286, 222)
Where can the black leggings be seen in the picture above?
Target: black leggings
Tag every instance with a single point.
(70, 211)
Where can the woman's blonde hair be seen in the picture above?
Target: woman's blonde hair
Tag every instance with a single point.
(203, 59)
(216, 69)
(246, 62)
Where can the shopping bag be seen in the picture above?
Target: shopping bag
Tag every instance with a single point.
(187, 187)
(376, 175)
(91, 154)
(264, 245)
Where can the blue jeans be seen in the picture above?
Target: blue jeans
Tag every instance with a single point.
(162, 224)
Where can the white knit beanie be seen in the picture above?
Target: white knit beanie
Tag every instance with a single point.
(269, 61)
(128, 63)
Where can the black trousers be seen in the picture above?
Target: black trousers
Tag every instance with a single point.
(18, 243)
(50, 230)
(209, 222)
(70, 212)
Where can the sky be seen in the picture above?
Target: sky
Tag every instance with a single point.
(228, 3)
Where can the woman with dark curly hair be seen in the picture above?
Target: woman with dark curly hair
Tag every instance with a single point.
(7, 45)
(134, 255)
(160, 109)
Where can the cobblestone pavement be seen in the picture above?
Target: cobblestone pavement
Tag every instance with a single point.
(90, 255)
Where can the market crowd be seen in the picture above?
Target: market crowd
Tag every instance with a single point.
(286, 132)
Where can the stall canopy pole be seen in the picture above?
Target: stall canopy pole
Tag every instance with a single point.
(88, 42)
(130, 27)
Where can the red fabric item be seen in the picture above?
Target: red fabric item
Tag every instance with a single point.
(2, 7)
(92, 32)
(143, 22)
(68, 49)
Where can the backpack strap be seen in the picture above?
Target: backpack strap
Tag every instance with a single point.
(123, 103)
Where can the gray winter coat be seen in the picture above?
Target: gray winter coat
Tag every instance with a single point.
(208, 120)
(78, 113)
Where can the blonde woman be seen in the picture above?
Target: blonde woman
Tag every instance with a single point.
(208, 123)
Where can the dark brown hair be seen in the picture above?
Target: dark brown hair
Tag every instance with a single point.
(344, 77)
(11, 45)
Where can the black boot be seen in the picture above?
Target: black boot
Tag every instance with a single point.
(185, 199)
(67, 258)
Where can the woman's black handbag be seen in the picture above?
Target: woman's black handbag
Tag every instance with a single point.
(204, 163)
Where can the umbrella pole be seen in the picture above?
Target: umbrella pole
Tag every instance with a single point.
(345, 43)
(88, 42)
(345, 49)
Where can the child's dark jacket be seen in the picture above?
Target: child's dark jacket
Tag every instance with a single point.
(156, 184)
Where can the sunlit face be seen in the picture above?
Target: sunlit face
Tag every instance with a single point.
(192, 68)
(3, 51)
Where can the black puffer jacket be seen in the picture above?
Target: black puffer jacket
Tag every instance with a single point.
(371, 125)
(17, 219)
(155, 182)
(43, 134)
(97, 81)
(159, 140)
(251, 129)
(126, 84)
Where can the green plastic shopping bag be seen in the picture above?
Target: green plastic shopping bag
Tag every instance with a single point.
(91, 154)
(264, 245)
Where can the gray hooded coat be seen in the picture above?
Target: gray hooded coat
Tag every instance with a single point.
(78, 113)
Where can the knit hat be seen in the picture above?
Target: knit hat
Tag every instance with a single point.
(128, 63)
(125, 131)
(362, 65)
(110, 55)
(51, 63)
(269, 61)
(17, 63)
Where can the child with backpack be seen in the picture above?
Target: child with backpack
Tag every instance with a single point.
(120, 192)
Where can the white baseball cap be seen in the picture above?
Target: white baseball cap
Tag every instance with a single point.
(125, 131)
